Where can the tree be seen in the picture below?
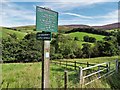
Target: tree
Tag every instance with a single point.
(78, 53)
(86, 38)
(107, 38)
(86, 50)
(106, 48)
(92, 39)
(89, 39)
(118, 37)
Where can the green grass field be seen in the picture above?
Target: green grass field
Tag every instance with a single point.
(7, 32)
(80, 35)
(28, 75)
(112, 30)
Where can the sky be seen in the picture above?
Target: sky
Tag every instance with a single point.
(88, 12)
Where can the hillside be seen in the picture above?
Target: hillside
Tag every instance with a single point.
(6, 32)
(80, 35)
(104, 27)
(70, 27)
(108, 27)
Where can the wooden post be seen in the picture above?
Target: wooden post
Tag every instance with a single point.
(117, 66)
(65, 79)
(108, 66)
(75, 65)
(66, 64)
(98, 72)
(45, 64)
(87, 71)
(80, 77)
(60, 62)
(87, 64)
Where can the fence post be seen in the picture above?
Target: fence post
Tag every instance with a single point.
(87, 64)
(66, 64)
(108, 66)
(75, 65)
(65, 79)
(60, 62)
(117, 66)
(98, 71)
(80, 76)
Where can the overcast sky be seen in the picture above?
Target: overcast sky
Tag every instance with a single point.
(89, 12)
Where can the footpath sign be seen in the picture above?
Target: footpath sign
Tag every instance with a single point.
(46, 23)
(43, 36)
(46, 20)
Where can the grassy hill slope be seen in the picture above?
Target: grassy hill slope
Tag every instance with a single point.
(4, 32)
(26, 29)
(80, 35)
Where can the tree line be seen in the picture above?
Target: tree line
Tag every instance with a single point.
(90, 30)
(29, 49)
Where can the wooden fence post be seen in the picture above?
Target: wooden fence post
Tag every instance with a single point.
(80, 76)
(66, 64)
(65, 79)
(60, 62)
(117, 66)
(98, 71)
(87, 64)
(75, 65)
(108, 66)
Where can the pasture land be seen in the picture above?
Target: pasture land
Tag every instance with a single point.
(8, 32)
(28, 75)
(80, 35)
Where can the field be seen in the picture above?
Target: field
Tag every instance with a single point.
(80, 35)
(4, 32)
(112, 30)
(28, 75)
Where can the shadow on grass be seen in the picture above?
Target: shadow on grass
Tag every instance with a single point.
(114, 81)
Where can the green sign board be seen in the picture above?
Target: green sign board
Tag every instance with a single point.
(46, 20)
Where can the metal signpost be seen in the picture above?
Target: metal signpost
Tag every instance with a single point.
(47, 22)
